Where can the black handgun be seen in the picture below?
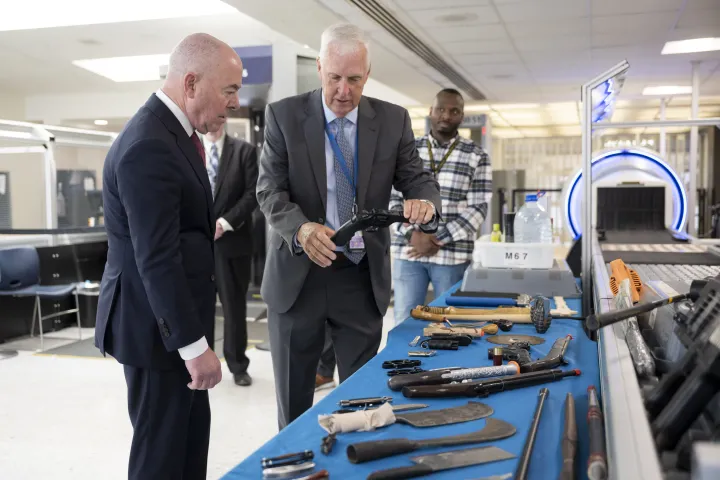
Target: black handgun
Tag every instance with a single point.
(518, 352)
(372, 220)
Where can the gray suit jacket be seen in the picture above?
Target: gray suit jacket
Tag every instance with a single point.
(292, 185)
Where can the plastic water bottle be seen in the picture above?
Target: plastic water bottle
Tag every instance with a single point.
(532, 223)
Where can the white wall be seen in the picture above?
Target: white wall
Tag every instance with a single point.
(12, 107)
(53, 109)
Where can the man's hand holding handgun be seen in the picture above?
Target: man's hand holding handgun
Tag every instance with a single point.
(315, 242)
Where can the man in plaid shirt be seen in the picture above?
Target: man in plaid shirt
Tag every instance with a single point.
(463, 171)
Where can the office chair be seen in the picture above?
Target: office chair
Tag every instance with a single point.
(20, 277)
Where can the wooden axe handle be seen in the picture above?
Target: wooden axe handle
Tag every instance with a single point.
(493, 315)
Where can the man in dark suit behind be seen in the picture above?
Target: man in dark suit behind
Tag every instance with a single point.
(327, 153)
(156, 309)
(232, 171)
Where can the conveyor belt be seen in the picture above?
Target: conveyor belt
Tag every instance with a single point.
(639, 236)
(660, 257)
(677, 276)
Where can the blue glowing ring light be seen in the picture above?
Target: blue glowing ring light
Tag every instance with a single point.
(658, 166)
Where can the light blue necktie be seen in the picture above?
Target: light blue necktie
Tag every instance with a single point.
(212, 167)
(345, 192)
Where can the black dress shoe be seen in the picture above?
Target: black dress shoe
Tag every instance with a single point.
(243, 379)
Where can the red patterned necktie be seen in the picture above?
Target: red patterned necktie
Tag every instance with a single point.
(198, 144)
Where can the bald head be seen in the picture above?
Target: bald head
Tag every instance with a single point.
(196, 53)
(204, 76)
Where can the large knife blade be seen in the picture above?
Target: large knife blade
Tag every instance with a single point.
(494, 429)
(428, 464)
(446, 416)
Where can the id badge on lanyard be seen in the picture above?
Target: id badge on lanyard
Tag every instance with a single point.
(357, 242)
(435, 170)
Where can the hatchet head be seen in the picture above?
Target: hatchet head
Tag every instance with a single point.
(619, 272)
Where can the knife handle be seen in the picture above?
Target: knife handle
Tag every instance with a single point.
(440, 391)
(397, 382)
(403, 472)
(366, 451)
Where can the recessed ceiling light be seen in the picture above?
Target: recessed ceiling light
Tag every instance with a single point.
(306, 46)
(667, 90)
(101, 123)
(693, 45)
(126, 69)
(52, 13)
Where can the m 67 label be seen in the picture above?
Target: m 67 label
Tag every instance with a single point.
(516, 258)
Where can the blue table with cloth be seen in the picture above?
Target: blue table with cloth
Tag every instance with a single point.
(516, 407)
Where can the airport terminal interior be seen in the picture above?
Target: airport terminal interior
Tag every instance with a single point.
(584, 343)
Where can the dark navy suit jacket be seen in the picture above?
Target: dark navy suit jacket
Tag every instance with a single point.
(158, 289)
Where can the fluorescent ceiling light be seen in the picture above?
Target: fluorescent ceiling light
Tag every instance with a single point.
(101, 123)
(126, 69)
(694, 45)
(667, 90)
(33, 14)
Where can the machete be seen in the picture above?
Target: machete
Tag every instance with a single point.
(428, 464)
(494, 429)
(445, 416)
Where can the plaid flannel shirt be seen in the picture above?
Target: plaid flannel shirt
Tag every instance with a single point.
(465, 188)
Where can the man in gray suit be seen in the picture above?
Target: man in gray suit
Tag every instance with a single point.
(325, 154)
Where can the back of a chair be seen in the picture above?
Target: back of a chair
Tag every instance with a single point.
(19, 268)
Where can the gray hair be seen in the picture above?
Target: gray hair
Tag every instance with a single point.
(195, 53)
(343, 38)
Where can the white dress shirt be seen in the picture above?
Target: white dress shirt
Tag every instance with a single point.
(207, 143)
(197, 348)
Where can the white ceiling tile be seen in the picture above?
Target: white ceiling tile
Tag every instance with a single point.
(497, 69)
(621, 7)
(543, 10)
(547, 28)
(702, 5)
(560, 43)
(449, 5)
(700, 18)
(457, 17)
(662, 21)
(481, 47)
(460, 33)
(697, 32)
(468, 60)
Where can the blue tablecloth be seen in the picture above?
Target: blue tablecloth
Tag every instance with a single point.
(516, 407)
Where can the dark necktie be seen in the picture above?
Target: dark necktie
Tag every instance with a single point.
(198, 145)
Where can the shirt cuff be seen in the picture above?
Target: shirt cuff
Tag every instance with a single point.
(443, 235)
(226, 226)
(296, 245)
(193, 350)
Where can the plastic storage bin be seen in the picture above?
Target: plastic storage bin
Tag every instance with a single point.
(514, 255)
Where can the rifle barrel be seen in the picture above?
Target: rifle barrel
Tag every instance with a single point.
(485, 387)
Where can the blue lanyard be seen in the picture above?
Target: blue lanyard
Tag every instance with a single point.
(343, 165)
